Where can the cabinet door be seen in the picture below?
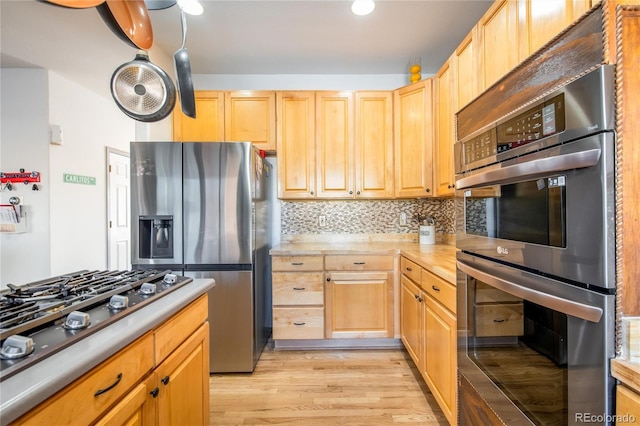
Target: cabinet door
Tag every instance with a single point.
(374, 145)
(440, 370)
(410, 319)
(209, 122)
(359, 304)
(250, 115)
(296, 144)
(443, 164)
(335, 144)
(137, 408)
(465, 71)
(413, 140)
(183, 382)
(500, 42)
(546, 19)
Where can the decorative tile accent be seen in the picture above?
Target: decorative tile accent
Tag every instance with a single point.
(365, 217)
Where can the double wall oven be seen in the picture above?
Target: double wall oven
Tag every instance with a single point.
(536, 268)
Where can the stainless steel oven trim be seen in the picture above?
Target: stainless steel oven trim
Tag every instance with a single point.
(531, 169)
(569, 307)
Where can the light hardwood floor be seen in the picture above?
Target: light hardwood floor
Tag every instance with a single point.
(328, 387)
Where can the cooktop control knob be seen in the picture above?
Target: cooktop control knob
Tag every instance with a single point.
(170, 279)
(16, 346)
(77, 320)
(148, 289)
(118, 302)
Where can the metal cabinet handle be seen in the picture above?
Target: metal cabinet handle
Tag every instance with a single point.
(498, 320)
(350, 192)
(357, 192)
(435, 288)
(409, 269)
(108, 388)
(311, 192)
(328, 279)
(297, 263)
(420, 299)
(416, 296)
(299, 288)
(155, 392)
(165, 380)
(358, 263)
(428, 190)
(299, 323)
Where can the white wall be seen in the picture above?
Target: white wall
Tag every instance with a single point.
(90, 123)
(300, 82)
(24, 134)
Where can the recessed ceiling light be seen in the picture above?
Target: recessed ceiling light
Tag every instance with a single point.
(362, 7)
(191, 7)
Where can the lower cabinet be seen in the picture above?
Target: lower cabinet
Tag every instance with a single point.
(428, 331)
(134, 387)
(346, 296)
(627, 406)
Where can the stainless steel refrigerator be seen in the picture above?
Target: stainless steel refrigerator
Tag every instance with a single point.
(203, 209)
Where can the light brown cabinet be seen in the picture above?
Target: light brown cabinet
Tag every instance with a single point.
(209, 122)
(359, 296)
(250, 115)
(627, 406)
(444, 128)
(298, 297)
(374, 176)
(335, 151)
(413, 140)
(296, 147)
(428, 331)
(465, 76)
(140, 385)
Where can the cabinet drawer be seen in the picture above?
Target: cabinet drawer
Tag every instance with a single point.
(298, 323)
(499, 320)
(292, 288)
(175, 331)
(297, 263)
(487, 294)
(79, 404)
(411, 269)
(358, 263)
(440, 290)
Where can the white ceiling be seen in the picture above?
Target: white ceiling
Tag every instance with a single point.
(244, 37)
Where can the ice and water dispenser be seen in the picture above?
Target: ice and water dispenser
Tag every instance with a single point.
(156, 237)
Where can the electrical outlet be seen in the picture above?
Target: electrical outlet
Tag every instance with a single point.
(322, 220)
(403, 218)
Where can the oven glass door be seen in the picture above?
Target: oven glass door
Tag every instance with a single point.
(532, 211)
(542, 345)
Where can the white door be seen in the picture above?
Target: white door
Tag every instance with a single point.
(118, 221)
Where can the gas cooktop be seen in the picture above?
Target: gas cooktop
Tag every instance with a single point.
(41, 318)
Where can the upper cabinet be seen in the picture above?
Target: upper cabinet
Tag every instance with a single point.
(374, 144)
(296, 120)
(464, 65)
(445, 100)
(500, 43)
(334, 144)
(250, 115)
(209, 122)
(544, 19)
(229, 116)
(414, 140)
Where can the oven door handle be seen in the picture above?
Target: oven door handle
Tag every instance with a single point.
(529, 169)
(568, 307)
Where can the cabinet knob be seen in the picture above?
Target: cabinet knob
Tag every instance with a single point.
(420, 299)
(357, 192)
(328, 279)
(165, 380)
(311, 192)
(155, 392)
(350, 192)
(428, 190)
(409, 269)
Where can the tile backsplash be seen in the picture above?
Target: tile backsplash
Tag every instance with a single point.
(365, 217)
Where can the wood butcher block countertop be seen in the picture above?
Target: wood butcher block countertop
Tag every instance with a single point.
(437, 258)
(627, 372)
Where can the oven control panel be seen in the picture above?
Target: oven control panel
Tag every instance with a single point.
(545, 119)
